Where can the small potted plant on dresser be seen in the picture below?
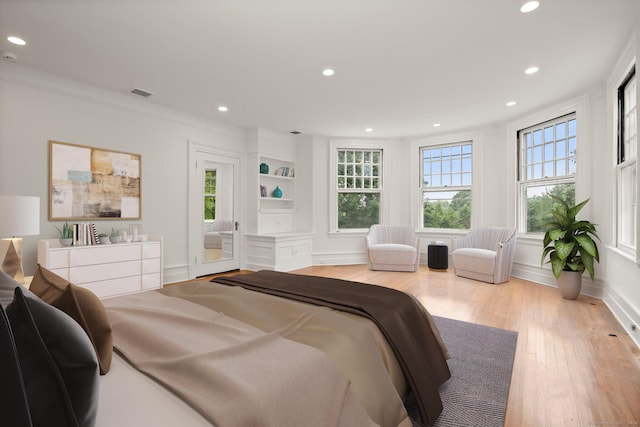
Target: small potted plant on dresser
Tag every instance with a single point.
(114, 238)
(103, 238)
(66, 234)
(571, 247)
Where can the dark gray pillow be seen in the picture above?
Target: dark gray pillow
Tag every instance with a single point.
(58, 363)
(13, 399)
(7, 286)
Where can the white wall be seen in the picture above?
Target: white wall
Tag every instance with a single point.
(622, 291)
(37, 107)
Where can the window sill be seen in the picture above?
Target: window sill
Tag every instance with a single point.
(623, 254)
(348, 233)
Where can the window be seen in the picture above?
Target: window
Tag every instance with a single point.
(547, 166)
(359, 187)
(627, 193)
(446, 185)
(209, 194)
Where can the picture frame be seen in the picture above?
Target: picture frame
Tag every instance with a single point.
(89, 183)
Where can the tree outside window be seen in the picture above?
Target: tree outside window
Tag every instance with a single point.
(210, 194)
(547, 166)
(359, 185)
(446, 185)
(627, 191)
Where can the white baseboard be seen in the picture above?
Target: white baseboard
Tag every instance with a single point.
(624, 313)
(592, 288)
(338, 258)
(178, 273)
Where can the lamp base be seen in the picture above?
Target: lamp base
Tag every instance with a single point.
(12, 258)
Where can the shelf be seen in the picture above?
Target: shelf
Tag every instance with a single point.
(284, 178)
(276, 210)
(277, 199)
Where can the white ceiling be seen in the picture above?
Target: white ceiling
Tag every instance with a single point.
(401, 65)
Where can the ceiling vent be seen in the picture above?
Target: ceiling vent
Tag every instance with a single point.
(9, 56)
(295, 132)
(141, 92)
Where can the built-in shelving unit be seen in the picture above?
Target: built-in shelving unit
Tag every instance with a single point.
(281, 175)
(272, 235)
(276, 214)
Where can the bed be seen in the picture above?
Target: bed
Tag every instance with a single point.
(286, 362)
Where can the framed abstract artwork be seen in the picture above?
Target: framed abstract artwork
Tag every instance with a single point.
(88, 183)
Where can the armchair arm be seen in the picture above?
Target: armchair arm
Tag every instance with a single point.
(504, 259)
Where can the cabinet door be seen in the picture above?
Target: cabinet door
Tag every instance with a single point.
(276, 223)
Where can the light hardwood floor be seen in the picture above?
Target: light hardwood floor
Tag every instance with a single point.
(568, 369)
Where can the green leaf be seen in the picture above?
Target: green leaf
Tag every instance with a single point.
(556, 234)
(574, 211)
(557, 265)
(564, 249)
(587, 260)
(587, 244)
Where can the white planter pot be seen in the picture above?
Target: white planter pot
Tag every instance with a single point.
(66, 242)
(570, 283)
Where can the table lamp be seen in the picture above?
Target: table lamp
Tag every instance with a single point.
(19, 216)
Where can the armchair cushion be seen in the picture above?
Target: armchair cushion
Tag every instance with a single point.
(485, 254)
(482, 261)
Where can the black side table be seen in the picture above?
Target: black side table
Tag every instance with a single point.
(438, 256)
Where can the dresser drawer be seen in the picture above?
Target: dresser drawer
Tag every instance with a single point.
(58, 259)
(151, 265)
(104, 254)
(108, 288)
(151, 250)
(93, 273)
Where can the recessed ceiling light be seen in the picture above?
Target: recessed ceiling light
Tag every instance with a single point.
(223, 108)
(16, 40)
(531, 70)
(328, 72)
(511, 103)
(368, 130)
(529, 6)
(436, 125)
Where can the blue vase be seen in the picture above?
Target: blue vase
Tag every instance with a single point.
(264, 168)
(277, 192)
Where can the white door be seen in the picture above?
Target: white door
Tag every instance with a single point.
(213, 209)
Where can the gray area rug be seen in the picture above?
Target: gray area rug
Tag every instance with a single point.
(481, 364)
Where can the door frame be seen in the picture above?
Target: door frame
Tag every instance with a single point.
(195, 243)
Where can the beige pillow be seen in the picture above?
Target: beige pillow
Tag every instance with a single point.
(82, 305)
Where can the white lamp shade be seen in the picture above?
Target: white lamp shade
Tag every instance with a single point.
(19, 216)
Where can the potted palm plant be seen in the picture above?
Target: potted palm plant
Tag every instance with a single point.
(571, 247)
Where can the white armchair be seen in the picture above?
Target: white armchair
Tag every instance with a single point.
(485, 254)
(393, 248)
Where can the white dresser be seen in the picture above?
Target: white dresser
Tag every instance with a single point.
(106, 270)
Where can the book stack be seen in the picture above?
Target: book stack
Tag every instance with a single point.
(85, 234)
(286, 171)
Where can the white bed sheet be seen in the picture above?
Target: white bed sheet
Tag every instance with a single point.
(130, 398)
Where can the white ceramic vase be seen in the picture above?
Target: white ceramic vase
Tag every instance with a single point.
(570, 283)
